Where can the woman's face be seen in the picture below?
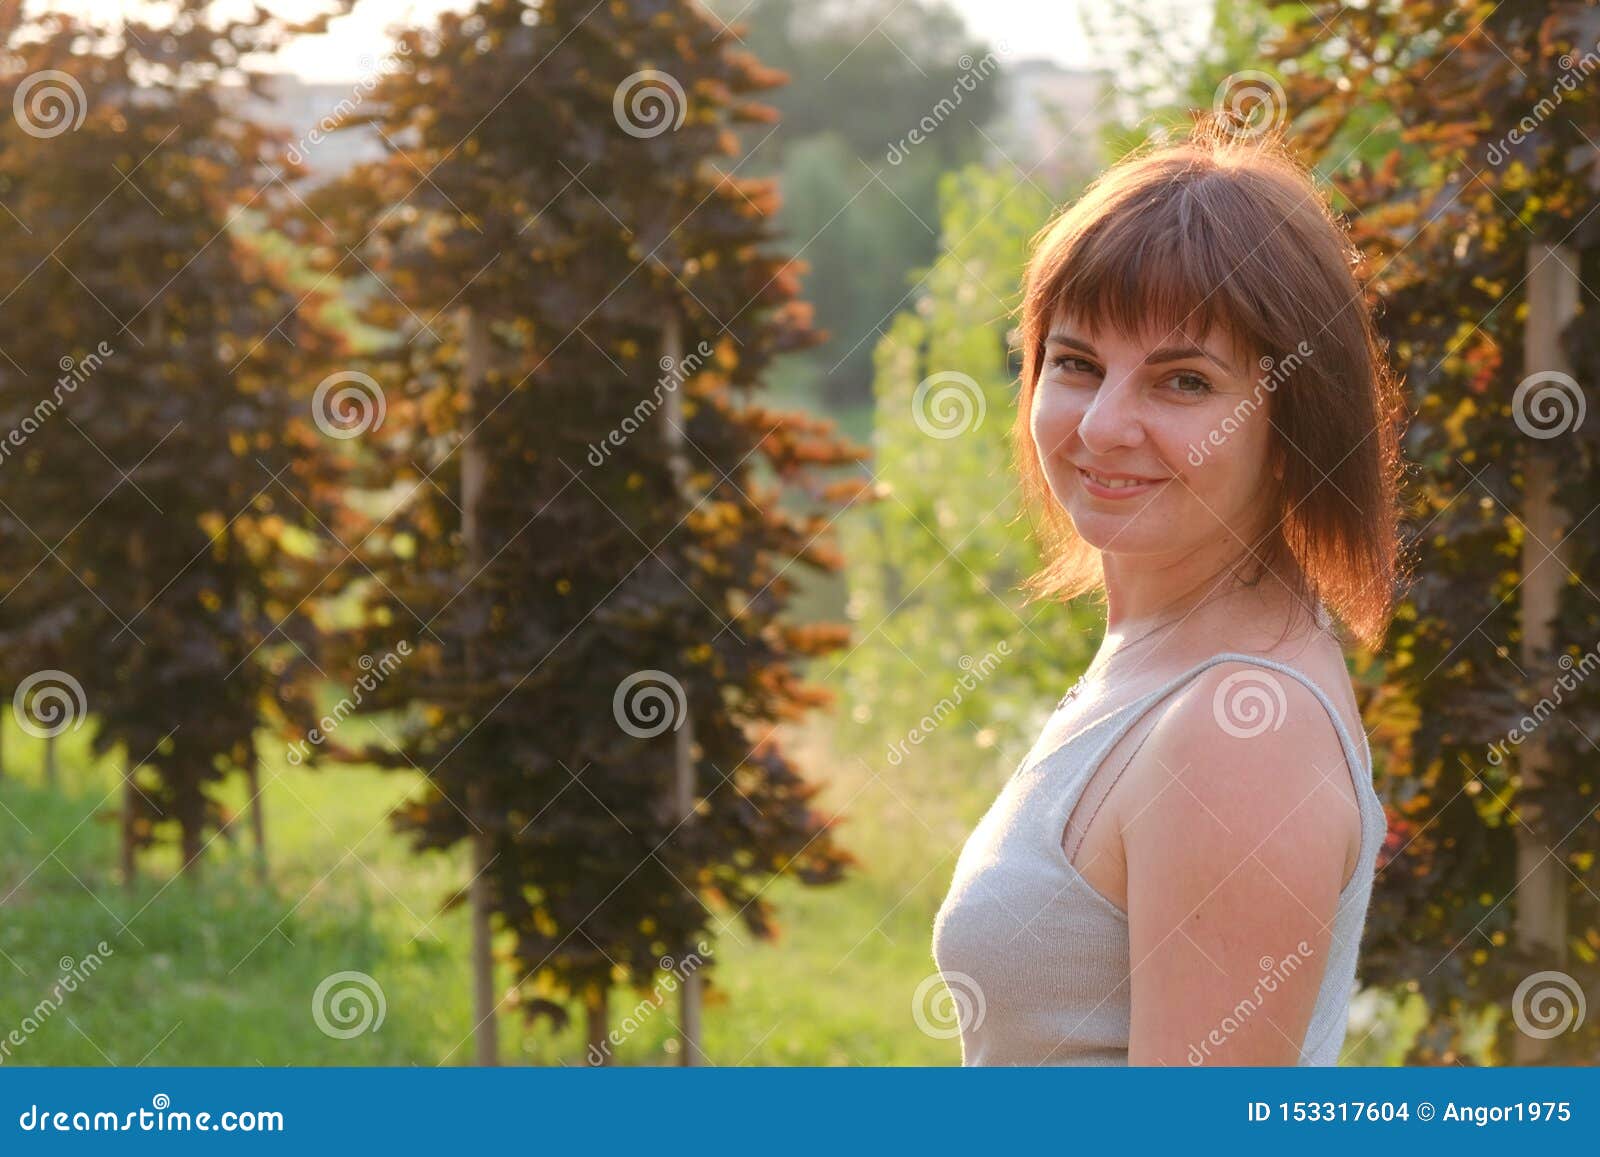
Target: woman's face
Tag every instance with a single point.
(1154, 445)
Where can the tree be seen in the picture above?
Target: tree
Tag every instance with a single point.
(1480, 223)
(153, 367)
(546, 220)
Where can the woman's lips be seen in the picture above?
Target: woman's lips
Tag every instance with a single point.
(1117, 485)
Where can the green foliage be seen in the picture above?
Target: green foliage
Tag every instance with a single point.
(859, 201)
(936, 564)
(1496, 152)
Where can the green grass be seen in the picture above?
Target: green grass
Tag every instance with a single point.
(223, 971)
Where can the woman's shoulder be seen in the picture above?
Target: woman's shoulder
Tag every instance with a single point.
(1248, 761)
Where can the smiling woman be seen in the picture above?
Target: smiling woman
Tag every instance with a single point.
(1180, 869)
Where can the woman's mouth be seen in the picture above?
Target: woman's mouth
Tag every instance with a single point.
(1117, 485)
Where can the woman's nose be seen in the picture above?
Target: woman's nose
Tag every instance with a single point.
(1112, 420)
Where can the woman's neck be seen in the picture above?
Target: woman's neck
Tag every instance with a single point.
(1141, 593)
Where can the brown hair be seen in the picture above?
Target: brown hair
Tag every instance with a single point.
(1227, 233)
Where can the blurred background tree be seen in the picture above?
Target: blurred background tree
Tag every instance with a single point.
(1464, 139)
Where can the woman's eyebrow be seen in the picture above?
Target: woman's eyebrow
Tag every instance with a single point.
(1171, 353)
(1069, 340)
(1177, 353)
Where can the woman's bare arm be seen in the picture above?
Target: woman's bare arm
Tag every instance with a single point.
(1237, 851)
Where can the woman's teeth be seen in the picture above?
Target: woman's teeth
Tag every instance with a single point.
(1116, 483)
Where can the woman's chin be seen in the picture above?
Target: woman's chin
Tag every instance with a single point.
(1121, 530)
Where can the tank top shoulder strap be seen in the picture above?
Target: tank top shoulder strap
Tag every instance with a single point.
(1357, 757)
(1110, 728)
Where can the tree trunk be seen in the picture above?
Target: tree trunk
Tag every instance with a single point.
(599, 1052)
(130, 805)
(1541, 905)
(189, 847)
(474, 468)
(130, 790)
(683, 787)
(258, 818)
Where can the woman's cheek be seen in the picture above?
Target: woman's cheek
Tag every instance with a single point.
(1054, 421)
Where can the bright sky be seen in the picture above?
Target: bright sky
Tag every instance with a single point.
(1048, 28)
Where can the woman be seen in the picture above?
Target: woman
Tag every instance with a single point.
(1179, 871)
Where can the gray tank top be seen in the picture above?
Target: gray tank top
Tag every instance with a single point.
(1036, 960)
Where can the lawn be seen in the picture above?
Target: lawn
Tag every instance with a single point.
(224, 971)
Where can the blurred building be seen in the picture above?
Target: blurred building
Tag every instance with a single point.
(1050, 120)
(319, 118)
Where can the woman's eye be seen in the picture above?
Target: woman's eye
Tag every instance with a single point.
(1068, 363)
(1192, 384)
